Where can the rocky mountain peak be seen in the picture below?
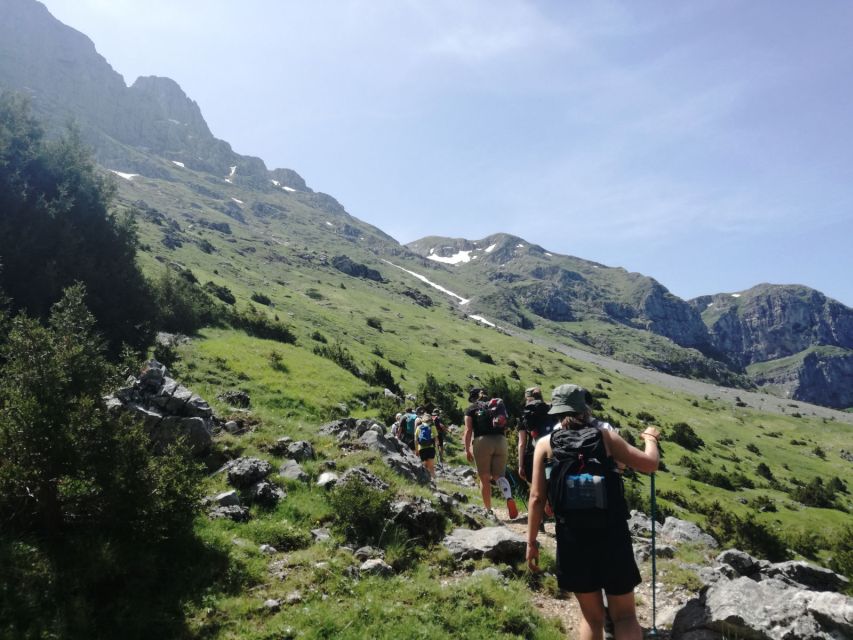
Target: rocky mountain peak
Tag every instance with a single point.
(173, 103)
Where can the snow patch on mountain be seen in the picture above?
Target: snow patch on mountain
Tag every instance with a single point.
(126, 176)
(462, 301)
(491, 248)
(238, 201)
(178, 164)
(456, 258)
(482, 320)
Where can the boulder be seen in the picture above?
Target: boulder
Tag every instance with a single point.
(292, 470)
(740, 561)
(227, 499)
(335, 428)
(301, 451)
(677, 531)
(496, 543)
(364, 477)
(768, 609)
(419, 518)
(321, 534)
(244, 472)
(234, 512)
(807, 576)
(368, 553)
(280, 446)
(239, 399)
(376, 567)
(639, 524)
(266, 493)
(327, 480)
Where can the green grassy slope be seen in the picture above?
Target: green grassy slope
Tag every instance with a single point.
(287, 257)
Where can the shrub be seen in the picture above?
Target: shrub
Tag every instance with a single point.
(220, 291)
(764, 471)
(319, 337)
(85, 505)
(340, 355)
(441, 395)
(815, 494)
(753, 449)
(380, 376)
(261, 298)
(259, 325)
(360, 510)
(479, 355)
(645, 416)
(375, 323)
(684, 435)
(182, 307)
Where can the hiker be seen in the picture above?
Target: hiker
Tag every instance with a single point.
(535, 424)
(425, 440)
(485, 445)
(441, 432)
(594, 549)
(407, 427)
(395, 428)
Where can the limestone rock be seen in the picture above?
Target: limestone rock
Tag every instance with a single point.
(244, 472)
(496, 543)
(292, 470)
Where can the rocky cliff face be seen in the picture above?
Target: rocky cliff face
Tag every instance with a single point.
(773, 322)
(769, 322)
(67, 79)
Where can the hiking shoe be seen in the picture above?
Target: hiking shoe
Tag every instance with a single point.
(512, 509)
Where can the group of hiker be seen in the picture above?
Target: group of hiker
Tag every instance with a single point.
(573, 463)
(424, 431)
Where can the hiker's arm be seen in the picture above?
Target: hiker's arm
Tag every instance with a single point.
(538, 497)
(643, 461)
(522, 448)
(469, 435)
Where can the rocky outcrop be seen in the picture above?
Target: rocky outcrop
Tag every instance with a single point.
(820, 376)
(169, 411)
(751, 598)
(496, 543)
(769, 322)
(355, 269)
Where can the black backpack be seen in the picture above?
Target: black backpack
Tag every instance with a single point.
(483, 421)
(583, 483)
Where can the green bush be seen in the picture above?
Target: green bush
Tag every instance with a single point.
(85, 505)
(259, 325)
(361, 511)
(261, 298)
(220, 291)
(182, 307)
(441, 395)
(684, 435)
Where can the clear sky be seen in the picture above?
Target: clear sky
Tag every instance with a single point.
(706, 144)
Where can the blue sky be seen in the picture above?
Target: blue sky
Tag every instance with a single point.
(708, 145)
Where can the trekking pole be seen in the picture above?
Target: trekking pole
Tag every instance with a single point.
(654, 630)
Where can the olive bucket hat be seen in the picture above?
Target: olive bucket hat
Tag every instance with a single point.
(569, 398)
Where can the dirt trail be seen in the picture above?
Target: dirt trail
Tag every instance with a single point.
(566, 608)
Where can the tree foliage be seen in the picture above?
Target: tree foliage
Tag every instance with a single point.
(84, 503)
(56, 229)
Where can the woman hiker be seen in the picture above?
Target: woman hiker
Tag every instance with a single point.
(594, 550)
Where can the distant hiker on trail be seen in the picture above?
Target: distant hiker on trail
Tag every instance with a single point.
(441, 430)
(425, 441)
(594, 549)
(485, 444)
(407, 428)
(395, 428)
(535, 424)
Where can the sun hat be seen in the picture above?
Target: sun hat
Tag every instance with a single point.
(569, 398)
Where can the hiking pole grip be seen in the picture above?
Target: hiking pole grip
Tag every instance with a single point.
(654, 630)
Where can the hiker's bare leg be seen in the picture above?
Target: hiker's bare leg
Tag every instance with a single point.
(486, 490)
(430, 465)
(623, 613)
(592, 615)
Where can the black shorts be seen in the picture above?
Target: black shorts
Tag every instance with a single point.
(593, 559)
(427, 454)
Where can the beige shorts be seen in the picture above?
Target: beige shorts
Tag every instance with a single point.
(490, 454)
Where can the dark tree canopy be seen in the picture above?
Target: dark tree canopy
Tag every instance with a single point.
(55, 230)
